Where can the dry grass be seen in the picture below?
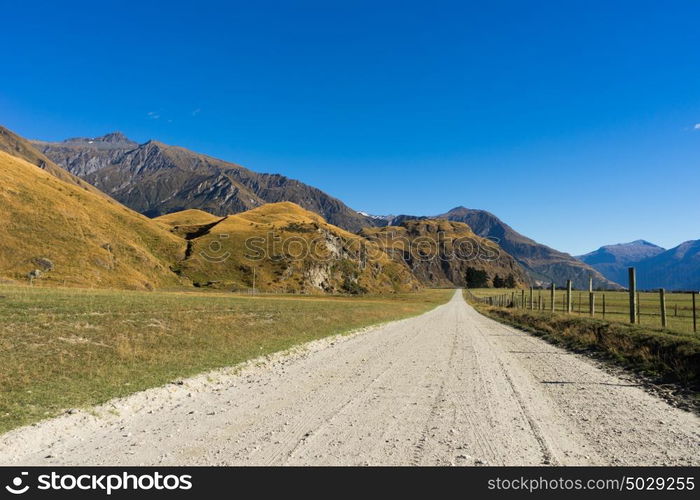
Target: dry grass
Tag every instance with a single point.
(667, 355)
(190, 217)
(92, 241)
(62, 348)
(301, 253)
(679, 311)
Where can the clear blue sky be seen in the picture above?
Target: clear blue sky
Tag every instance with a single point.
(572, 121)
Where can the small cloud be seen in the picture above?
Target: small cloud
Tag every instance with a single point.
(196, 111)
(697, 126)
(153, 115)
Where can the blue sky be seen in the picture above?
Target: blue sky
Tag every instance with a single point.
(572, 121)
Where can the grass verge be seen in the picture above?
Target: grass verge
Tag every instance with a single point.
(666, 356)
(65, 348)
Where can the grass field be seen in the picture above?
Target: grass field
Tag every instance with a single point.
(62, 348)
(679, 306)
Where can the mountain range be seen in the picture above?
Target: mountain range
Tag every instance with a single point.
(542, 264)
(171, 185)
(675, 269)
(155, 179)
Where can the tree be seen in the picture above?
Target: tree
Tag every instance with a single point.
(498, 282)
(510, 281)
(476, 278)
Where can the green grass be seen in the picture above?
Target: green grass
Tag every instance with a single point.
(62, 348)
(679, 307)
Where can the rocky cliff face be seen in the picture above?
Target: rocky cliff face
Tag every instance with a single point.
(446, 253)
(281, 247)
(156, 179)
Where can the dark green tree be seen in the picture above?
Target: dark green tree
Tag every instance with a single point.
(498, 282)
(476, 278)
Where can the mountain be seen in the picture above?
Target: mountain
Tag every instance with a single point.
(612, 261)
(447, 253)
(156, 179)
(68, 235)
(281, 247)
(674, 269)
(541, 263)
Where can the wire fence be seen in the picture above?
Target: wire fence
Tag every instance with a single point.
(672, 310)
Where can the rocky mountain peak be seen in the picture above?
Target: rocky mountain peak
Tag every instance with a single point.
(111, 139)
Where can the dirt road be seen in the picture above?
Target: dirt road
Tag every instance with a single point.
(447, 387)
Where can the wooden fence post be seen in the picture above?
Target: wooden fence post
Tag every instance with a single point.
(568, 296)
(639, 308)
(522, 298)
(633, 295)
(695, 321)
(532, 303)
(591, 298)
(603, 305)
(554, 287)
(662, 303)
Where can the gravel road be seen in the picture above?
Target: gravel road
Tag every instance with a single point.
(449, 387)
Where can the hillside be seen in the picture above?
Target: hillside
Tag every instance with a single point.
(612, 261)
(446, 253)
(674, 269)
(15, 145)
(541, 263)
(282, 247)
(156, 179)
(77, 237)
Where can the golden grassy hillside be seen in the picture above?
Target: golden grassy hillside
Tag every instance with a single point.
(285, 248)
(89, 239)
(190, 217)
(17, 146)
(446, 253)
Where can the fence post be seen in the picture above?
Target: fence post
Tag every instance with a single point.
(554, 287)
(568, 296)
(603, 305)
(539, 300)
(662, 299)
(522, 298)
(695, 321)
(639, 308)
(532, 303)
(633, 295)
(591, 298)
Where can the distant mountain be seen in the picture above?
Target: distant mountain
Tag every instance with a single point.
(613, 260)
(674, 269)
(541, 263)
(431, 248)
(156, 179)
